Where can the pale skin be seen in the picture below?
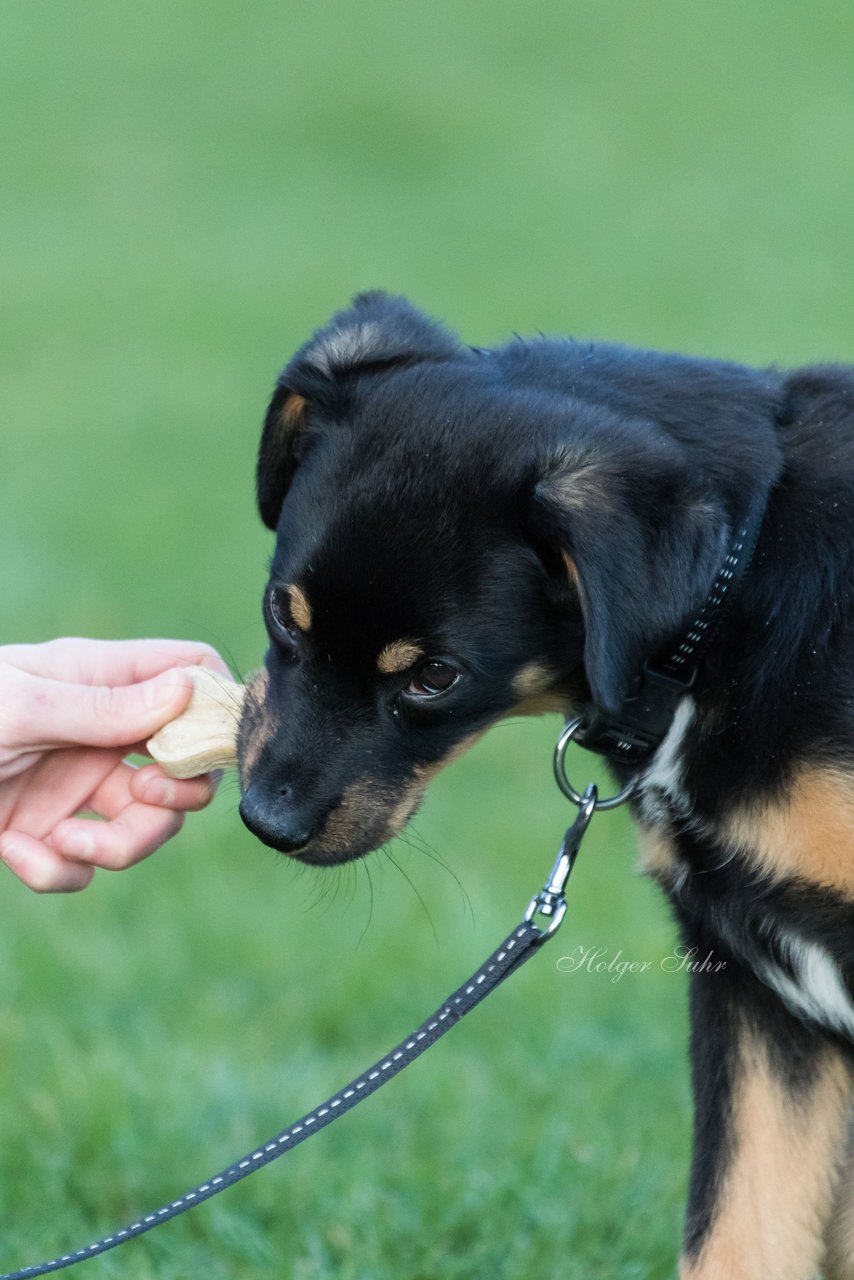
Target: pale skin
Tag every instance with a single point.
(71, 711)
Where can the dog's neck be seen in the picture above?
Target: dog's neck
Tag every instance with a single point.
(636, 733)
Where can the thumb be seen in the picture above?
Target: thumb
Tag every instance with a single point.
(105, 716)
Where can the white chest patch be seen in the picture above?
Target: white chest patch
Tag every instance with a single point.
(816, 990)
(662, 781)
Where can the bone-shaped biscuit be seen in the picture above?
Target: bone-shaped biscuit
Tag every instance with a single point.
(204, 735)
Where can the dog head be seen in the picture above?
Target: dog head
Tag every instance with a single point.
(457, 540)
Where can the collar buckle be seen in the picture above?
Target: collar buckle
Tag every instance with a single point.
(634, 732)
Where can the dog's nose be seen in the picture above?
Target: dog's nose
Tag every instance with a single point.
(276, 821)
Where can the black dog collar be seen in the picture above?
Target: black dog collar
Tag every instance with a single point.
(638, 728)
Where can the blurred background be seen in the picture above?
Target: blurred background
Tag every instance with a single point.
(187, 191)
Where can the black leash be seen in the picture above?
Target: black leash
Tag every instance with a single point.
(515, 950)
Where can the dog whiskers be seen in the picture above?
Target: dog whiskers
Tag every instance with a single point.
(370, 903)
(390, 856)
(419, 845)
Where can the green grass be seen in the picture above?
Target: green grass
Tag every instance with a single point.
(188, 189)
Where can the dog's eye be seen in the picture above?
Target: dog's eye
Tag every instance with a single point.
(431, 679)
(279, 611)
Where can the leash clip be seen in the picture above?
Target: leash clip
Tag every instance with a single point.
(550, 901)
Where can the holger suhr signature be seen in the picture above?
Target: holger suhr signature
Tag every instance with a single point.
(600, 960)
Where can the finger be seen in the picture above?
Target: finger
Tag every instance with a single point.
(110, 662)
(136, 833)
(60, 784)
(51, 713)
(40, 867)
(124, 783)
(152, 786)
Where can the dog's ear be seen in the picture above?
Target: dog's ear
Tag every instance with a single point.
(639, 544)
(376, 332)
(278, 454)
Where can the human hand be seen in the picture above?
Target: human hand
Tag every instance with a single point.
(70, 711)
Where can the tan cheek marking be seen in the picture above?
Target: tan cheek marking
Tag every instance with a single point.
(777, 1192)
(261, 728)
(532, 686)
(404, 809)
(399, 655)
(366, 808)
(362, 806)
(533, 678)
(539, 705)
(300, 608)
(425, 773)
(809, 834)
(412, 794)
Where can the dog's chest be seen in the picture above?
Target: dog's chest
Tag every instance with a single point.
(796, 938)
(756, 927)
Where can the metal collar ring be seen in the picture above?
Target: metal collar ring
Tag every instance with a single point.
(610, 802)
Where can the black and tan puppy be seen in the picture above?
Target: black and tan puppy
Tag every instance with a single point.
(464, 533)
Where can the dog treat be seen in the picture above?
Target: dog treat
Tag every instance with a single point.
(204, 736)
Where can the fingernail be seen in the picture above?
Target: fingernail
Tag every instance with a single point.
(78, 844)
(161, 691)
(160, 791)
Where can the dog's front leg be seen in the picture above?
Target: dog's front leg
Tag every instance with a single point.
(771, 1101)
(839, 1239)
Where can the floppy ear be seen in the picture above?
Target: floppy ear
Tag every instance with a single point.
(376, 332)
(277, 454)
(640, 543)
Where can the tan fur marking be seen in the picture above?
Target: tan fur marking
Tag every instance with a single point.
(367, 807)
(404, 809)
(532, 685)
(408, 800)
(658, 858)
(425, 773)
(372, 814)
(777, 1193)
(571, 570)
(809, 834)
(256, 725)
(533, 678)
(539, 704)
(363, 806)
(398, 656)
(300, 608)
(366, 811)
(292, 412)
(839, 1237)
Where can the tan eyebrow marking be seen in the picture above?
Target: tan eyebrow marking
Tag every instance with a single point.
(300, 608)
(399, 655)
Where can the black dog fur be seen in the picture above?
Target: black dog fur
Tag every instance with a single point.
(464, 534)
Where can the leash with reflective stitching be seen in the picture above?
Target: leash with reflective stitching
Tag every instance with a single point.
(517, 947)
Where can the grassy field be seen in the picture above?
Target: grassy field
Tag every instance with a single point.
(188, 189)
